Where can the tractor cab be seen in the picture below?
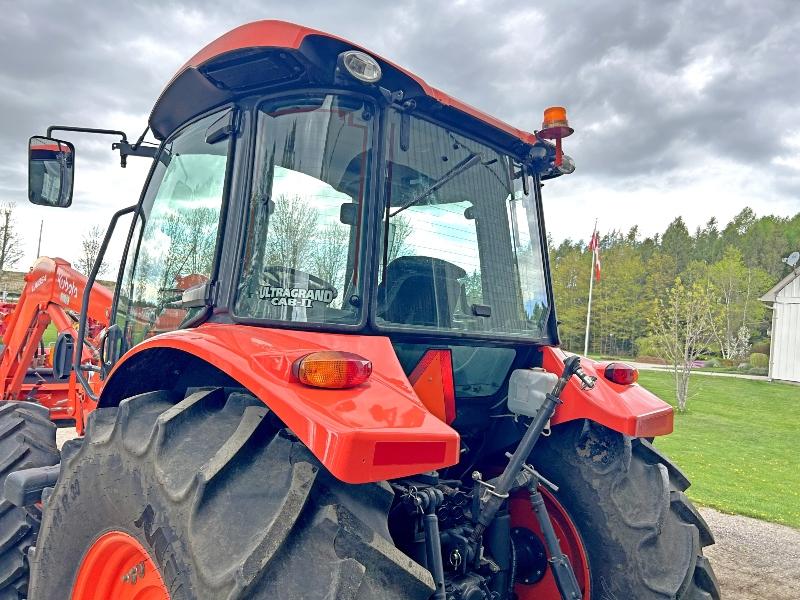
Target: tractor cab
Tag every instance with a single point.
(305, 183)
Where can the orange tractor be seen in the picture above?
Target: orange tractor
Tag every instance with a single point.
(329, 367)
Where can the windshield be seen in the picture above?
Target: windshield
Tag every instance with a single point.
(461, 243)
(302, 258)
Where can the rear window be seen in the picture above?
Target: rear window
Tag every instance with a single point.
(477, 370)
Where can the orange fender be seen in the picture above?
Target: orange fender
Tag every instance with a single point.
(377, 430)
(629, 409)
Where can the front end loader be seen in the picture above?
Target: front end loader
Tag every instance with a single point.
(330, 366)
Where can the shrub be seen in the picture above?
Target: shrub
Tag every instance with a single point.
(647, 346)
(757, 371)
(714, 363)
(743, 366)
(759, 360)
(761, 348)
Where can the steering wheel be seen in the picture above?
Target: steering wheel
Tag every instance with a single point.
(280, 276)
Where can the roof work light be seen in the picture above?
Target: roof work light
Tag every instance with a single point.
(360, 66)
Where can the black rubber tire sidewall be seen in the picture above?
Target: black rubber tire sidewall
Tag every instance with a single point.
(28, 441)
(620, 501)
(84, 513)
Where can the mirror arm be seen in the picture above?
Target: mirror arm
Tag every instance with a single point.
(53, 128)
(87, 292)
(126, 150)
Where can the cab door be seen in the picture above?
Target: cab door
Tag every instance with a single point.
(171, 258)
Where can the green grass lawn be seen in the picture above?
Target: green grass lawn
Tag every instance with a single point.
(50, 334)
(739, 443)
(48, 337)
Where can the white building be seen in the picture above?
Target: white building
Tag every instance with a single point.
(784, 356)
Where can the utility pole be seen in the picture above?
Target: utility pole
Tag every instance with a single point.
(593, 247)
(39, 246)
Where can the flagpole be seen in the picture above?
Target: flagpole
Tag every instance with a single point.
(591, 288)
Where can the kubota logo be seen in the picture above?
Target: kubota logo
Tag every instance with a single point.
(67, 286)
(38, 283)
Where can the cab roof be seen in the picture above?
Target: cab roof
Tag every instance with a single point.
(273, 55)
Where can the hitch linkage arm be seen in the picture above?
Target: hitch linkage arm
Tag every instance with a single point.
(499, 490)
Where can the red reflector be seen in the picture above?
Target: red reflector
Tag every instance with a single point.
(655, 424)
(432, 380)
(408, 453)
(621, 373)
(332, 369)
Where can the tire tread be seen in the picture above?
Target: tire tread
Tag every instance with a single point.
(27, 440)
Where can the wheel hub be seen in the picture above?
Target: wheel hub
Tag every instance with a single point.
(534, 579)
(117, 566)
(531, 556)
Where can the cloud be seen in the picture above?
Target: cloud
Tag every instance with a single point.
(658, 92)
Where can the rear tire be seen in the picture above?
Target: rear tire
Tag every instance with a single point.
(27, 440)
(226, 503)
(643, 537)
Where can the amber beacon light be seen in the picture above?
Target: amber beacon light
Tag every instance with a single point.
(555, 127)
(332, 369)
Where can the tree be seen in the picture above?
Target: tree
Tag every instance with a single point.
(330, 256)
(619, 305)
(738, 310)
(10, 242)
(399, 231)
(192, 239)
(707, 242)
(292, 234)
(682, 330)
(677, 243)
(201, 239)
(90, 248)
(570, 266)
(473, 287)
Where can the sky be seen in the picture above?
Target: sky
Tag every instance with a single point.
(680, 108)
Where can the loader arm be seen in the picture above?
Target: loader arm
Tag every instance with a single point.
(52, 287)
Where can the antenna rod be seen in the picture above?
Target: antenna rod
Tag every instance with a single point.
(39, 246)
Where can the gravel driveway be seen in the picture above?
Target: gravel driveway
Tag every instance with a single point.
(753, 560)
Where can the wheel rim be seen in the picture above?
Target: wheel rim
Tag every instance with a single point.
(523, 517)
(117, 566)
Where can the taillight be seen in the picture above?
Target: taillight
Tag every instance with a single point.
(621, 373)
(332, 369)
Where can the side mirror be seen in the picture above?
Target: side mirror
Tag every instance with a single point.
(51, 166)
(348, 213)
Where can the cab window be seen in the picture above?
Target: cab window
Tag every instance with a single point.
(178, 232)
(304, 234)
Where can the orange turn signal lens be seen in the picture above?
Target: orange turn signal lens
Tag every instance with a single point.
(621, 373)
(332, 369)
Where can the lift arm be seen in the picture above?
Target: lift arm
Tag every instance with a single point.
(52, 289)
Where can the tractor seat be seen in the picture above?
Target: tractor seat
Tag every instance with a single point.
(420, 290)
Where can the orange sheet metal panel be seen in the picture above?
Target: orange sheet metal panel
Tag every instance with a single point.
(629, 409)
(377, 430)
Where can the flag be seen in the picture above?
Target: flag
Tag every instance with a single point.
(594, 242)
(594, 246)
(597, 264)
